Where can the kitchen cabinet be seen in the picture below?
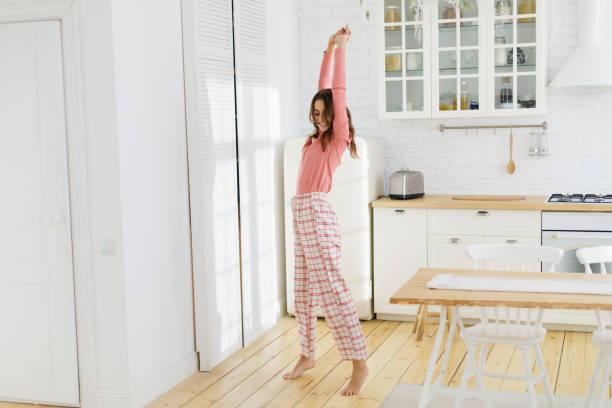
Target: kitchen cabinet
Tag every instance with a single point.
(406, 239)
(400, 248)
(463, 58)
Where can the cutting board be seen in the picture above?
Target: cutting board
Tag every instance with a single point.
(488, 197)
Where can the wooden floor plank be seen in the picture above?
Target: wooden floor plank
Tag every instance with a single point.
(336, 378)
(280, 393)
(571, 370)
(225, 384)
(418, 370)
(252, 377)
(273, 368)
(551, 352)
(381, 385)
(590, 357)
(201, 380)
(376, 362)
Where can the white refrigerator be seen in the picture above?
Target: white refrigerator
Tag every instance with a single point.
(356, 183)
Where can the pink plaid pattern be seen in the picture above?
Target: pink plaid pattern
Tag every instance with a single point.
(318, 279)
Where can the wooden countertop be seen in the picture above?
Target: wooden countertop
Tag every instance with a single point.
(415, 291)
(529, 203)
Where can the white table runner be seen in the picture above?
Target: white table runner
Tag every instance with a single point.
(458, 282)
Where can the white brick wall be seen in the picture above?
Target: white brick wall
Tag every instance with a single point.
(580, 133)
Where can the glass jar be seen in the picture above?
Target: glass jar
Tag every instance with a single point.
(500, 53)
(505, 94)
(446, 102)
(392, 15)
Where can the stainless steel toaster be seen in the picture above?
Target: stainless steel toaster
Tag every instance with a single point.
(405, 184)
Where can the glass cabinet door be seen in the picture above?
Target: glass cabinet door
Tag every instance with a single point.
(458, 58)
(515, 82)
(406, 66)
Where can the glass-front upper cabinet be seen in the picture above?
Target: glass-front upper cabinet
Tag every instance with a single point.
(458, 55)
(516, 38)
(406, 64)
(461, 58)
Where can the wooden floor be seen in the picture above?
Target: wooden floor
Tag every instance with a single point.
(252, 377)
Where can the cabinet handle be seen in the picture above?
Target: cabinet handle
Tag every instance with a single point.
(399, 211)
(512, 241)
(455, 241)
(482, 213)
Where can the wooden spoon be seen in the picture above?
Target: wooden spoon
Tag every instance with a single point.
(511, 166)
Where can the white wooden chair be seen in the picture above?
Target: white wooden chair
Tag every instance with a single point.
(521, 327)
(602, 337)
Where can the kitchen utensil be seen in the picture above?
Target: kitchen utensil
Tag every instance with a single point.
(489, 197)
(526, 101)
(511, 166)
(405, 184)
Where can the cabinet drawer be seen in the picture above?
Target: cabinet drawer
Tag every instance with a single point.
(448, 251)
(519, 223)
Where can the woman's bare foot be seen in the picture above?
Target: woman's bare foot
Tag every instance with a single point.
(302, 365)
(360, 373)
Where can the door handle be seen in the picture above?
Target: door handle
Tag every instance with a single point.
(512, 241)
(561, 236)
(399, 211)
(455, 240)
(482, 213)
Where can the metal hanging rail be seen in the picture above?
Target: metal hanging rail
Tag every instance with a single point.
(542, 125)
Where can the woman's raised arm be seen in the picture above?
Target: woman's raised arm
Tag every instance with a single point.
(341, 123)
(325, 78)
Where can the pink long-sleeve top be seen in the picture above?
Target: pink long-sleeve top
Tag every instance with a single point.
(317, 166)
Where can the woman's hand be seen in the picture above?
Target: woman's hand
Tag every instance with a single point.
(342, 36)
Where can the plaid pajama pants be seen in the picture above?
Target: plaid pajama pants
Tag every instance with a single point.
(318, 279)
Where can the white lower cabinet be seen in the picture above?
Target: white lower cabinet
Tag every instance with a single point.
(406, 239)
(400, 248)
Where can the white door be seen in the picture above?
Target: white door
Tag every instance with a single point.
(37, 317)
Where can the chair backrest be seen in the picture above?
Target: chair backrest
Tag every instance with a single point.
(597, 255)
(512, 257)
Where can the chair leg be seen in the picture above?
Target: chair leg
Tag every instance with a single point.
(605, 375)
(529, 378)
(417, 318)
(594, 379)
(479, 370)
(545, 379)
(468, 370)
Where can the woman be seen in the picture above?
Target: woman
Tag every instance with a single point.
(317, 237)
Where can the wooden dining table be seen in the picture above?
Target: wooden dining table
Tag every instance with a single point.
(415, 291)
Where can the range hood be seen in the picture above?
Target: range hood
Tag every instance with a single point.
(590, 64)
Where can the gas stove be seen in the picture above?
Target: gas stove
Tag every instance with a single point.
(581, 198)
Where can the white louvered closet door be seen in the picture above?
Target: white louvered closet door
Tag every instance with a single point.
(257, 169)
(209, 87)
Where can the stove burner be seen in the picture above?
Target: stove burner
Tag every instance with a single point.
(579, 198)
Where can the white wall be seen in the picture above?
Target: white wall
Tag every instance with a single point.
(154, 194)
(580, 134)
(283, 54)
(137, 181)
(112, 382)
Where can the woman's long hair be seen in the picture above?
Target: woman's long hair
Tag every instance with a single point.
(326, 96)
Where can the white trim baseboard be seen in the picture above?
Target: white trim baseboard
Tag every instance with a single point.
(176, 372)
(112, 399)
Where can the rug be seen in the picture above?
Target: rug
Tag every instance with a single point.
(407, 395)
